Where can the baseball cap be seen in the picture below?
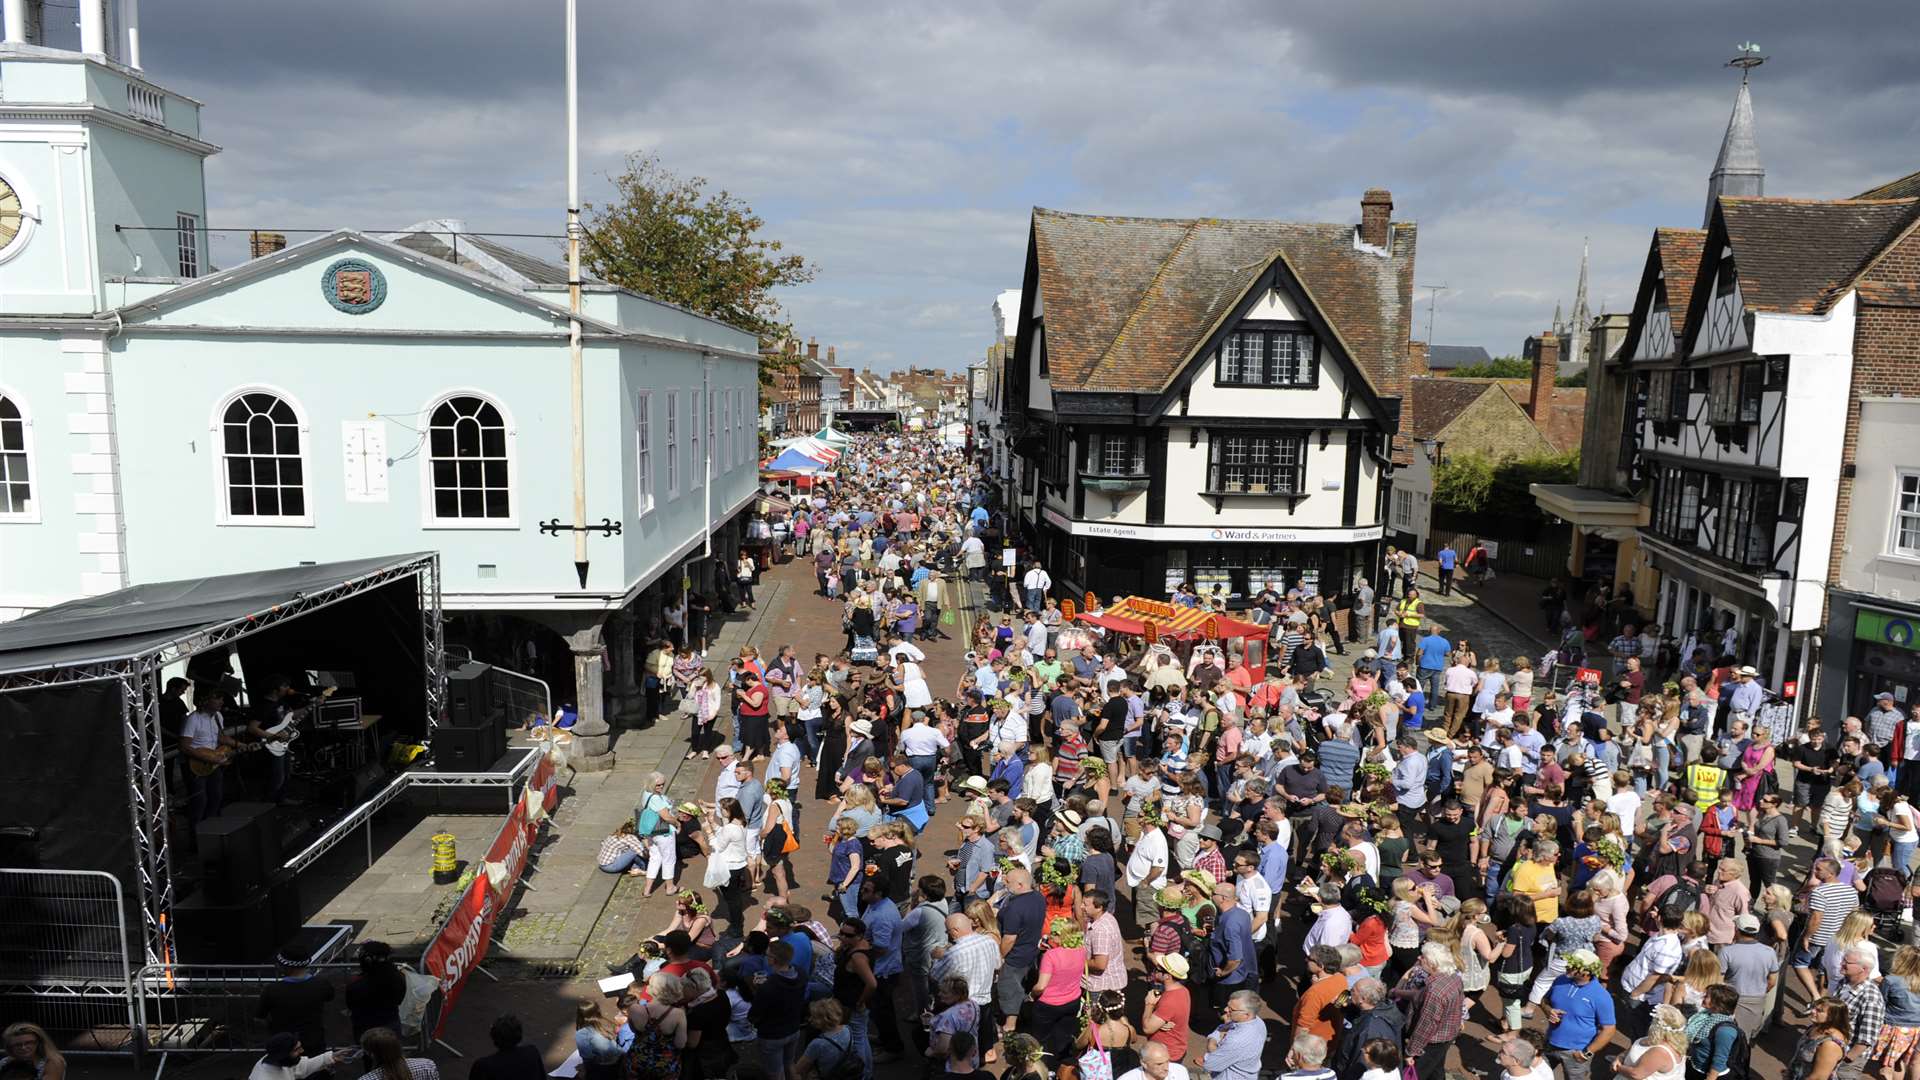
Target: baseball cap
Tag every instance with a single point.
(1746, 924)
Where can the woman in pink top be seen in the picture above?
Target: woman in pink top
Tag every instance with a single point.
(1056, 990)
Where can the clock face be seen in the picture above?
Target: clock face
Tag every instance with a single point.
(9, 213)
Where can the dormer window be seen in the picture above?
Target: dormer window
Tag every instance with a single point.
(1268, 356)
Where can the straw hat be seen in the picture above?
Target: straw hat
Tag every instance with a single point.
(1173, 964)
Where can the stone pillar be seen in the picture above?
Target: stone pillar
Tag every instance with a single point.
(592, 736)
(628, 700)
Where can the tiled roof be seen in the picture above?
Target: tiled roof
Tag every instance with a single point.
(1448, 357)
(1436, 400)
(1680, 262)
(1127, 301)
(1566, 416)
(1798, 255)
(1906, 187)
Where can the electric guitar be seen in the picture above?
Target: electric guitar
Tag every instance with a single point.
(281, 735)
(208, 768)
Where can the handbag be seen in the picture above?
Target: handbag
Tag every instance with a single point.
(1095, 1063)
(791, 844)
(716, 875)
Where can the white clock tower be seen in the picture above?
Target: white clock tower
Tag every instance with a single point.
(102, 172)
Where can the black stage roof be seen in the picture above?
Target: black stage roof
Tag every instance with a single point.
(144, 619)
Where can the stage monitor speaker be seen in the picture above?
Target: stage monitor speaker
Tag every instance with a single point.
(239, 851)
(470, 695)
(468, 749)
(249, 931)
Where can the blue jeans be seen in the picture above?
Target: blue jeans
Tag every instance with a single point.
(623, 862)
(850, 901)
(810, 736)
(777, 1055)
(1036, 600)
(1662, 765)
(1495, 872)
(857, 1023)
(925, 764)
(1430, 679)
(735, 740)
(1903, 855)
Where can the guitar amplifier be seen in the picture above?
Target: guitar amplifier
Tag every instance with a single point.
(337, 714)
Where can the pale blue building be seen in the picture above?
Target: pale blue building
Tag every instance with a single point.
(348, 396)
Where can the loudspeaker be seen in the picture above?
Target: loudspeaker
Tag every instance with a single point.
(470, 695)
(206, 931)
(239, 851)
(468, 749)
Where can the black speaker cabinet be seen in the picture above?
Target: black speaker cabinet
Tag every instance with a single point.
(249, 931)
(470, 695)
(457, 749)
(239, 851)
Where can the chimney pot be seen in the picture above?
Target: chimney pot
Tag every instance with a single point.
(266, 243)
(1546, 368)
(1376, 212)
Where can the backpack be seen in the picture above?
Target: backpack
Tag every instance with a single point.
(1198, 952)
(848, 1065)
(1886, 890)
(1739, 1056)
(1681, 897)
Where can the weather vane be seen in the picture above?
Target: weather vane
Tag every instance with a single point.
(1748, 59)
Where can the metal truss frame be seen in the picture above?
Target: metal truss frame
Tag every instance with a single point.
(138, 677)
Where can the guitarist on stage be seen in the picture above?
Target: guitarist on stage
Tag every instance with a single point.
(277, 723)
(208, 748)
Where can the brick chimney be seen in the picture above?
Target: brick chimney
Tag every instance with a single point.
(813, 349)
(266, 243)
(1417, 360)
(1376, 210)
(1546, 368)
(830, 360)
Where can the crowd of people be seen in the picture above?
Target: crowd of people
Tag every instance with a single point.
(1096, 857)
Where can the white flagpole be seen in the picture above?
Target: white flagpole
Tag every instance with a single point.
(573, 300)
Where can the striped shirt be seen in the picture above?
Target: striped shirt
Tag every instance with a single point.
(1834, 901)
(975, 958)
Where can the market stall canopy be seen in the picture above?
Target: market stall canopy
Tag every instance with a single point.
(828, 435)
(795, 460)
(1132, 615)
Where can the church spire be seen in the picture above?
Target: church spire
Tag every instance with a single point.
(1737, 171)
(1576, 352)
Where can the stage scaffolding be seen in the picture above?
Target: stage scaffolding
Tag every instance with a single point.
(138, 675)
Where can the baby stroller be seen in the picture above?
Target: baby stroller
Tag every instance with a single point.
(1884, 898)
(865, 651)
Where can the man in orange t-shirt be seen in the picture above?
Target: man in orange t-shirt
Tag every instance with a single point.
(1319, 1008)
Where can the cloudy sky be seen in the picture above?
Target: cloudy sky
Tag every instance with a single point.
(901, 146)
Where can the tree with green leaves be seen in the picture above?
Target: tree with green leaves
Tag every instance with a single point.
(1467, 488)
(1500, 367)
(668, 237)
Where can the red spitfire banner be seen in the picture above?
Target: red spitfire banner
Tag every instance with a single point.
(462, 943)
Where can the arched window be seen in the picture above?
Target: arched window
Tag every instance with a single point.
(16, 466)
(467, 456)
(261, 462)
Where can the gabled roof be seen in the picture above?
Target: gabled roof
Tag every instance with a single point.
(1906, 187)
(1566, 415)
(325, 245)
(1127, 302)
(1448, 357)
(1680, 261)
(1799, 255)
(1436, 401)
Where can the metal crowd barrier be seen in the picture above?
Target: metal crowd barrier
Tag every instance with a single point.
(64, 959)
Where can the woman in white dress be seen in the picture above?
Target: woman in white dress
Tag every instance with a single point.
(728, 853)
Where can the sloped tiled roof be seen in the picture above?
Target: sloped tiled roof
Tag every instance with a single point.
(1680, 262)
(1448, 357)
(1797, 255)
(1436, 400)
(1906, 187)
(1127, 301)
(1566, 415)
